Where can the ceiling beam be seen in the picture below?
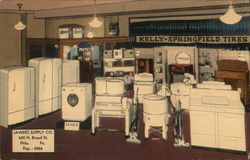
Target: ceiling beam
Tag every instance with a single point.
(132, 7)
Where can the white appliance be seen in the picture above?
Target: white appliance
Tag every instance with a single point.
(115, 87)
(217, 119)
(214, 86)
(143, 84)
(71, 71)
(143, 88)
(113, 107)
(76, 101)
(109, 86)
(118, 53)
(108, 54)
(180, 93)
(129, 53)
(212, 82)
(155, 114)
(100, 85)
(48, 84)
(17, 95)
(144, 77)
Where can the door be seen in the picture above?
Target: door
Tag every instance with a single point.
(17, 88)
(30, 88)
(45, 86)
(231, 128)
(57, 83)
(203, 129)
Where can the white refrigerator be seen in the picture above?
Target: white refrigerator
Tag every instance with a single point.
(48, 84)
(71, 71)
(17, 95)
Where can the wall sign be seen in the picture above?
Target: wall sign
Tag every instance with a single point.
(33, 140)
(183, 58)
(194, 39)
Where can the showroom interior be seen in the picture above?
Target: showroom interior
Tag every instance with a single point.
(125, 79)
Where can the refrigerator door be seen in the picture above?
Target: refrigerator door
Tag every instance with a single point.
(29, 83)
(57, 83)
(16, 93)
(45, 87)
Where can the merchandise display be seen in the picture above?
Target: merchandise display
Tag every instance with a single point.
(216, 114)
(115, 64)
(17, 95)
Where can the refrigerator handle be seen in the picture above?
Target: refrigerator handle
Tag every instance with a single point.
(14, 87)
(44, 77)
(59, 77)
(77, 73)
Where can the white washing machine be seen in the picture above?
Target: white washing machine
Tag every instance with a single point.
(76, 101)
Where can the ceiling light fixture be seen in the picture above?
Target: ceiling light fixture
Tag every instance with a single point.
(90, 34)
(230, 17)
(20, 26)
(95, 23)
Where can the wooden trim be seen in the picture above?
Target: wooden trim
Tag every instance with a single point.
(43, 40)
(93, 40)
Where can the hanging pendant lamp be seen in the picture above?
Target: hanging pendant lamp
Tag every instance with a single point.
(95, 23)
(90, 34)
(230, 17)
(20, 26)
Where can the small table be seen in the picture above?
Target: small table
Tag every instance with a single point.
(111, 110)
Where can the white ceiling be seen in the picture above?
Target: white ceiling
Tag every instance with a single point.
(59, 8)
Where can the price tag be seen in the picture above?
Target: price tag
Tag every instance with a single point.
(33, 140)
(72, 126)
